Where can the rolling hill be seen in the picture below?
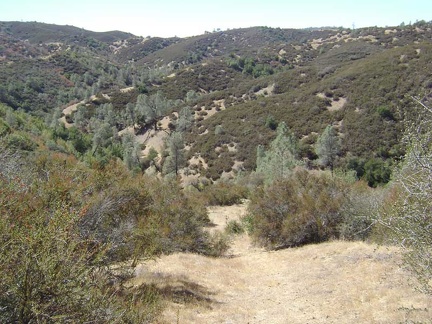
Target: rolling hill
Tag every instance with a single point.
(360, 81)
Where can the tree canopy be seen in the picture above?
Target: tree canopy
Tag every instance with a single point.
(328, 147)
(281, 157)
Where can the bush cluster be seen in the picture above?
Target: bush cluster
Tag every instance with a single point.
(63, 226)
(223, 193)
(405, 216)
(51, 272)
(303, 208)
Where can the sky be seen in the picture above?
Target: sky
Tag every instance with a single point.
(183, 18)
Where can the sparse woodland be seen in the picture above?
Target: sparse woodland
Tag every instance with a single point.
(112, 148)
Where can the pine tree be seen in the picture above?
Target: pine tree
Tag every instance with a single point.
(130, 115)
(55, 121)
(79, 117)
(282, 156)
(328, 147)
(150, 109)
(103, 136)
(176, 158)
(185, 119)
(131, 151)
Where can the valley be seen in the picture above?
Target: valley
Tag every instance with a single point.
(251, 175)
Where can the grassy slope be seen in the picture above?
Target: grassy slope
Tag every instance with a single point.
(336, 282)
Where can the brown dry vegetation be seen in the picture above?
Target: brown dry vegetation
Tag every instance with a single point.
(334, 282)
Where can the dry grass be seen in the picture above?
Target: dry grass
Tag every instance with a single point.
(336, 282)
(155, 139)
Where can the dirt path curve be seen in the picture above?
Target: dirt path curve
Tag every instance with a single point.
(69, 110)
(335, 282)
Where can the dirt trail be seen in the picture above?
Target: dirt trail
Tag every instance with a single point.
(335, 282)
(69, 110)
(220, 216)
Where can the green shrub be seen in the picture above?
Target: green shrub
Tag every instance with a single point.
(385, 113)
(4, 127)
(247, 223)
(271, 122)
(376, 172)
(234, 227)
(20, 141)
(303, 208)
(149, 160)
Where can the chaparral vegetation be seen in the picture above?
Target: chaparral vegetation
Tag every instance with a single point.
(116, 150)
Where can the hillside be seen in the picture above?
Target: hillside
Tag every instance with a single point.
(359, 81)
(40, 33)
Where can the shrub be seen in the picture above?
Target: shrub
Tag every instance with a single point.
(117, 216)
(300, 209)
(234, 227)
(407, 216)
(224, 193)
(385, 113)
(219, 244)
(376, 172)
(64, 230)
(177, 219)
(149, 159)
(359, 211)
(271, 122)
(142, 217)
(4, 127)
(50, 273)
(20, 141)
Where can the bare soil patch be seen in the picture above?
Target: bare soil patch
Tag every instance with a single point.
(68, 111)
(335, 104)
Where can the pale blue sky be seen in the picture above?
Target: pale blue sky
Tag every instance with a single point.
(167, 18)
